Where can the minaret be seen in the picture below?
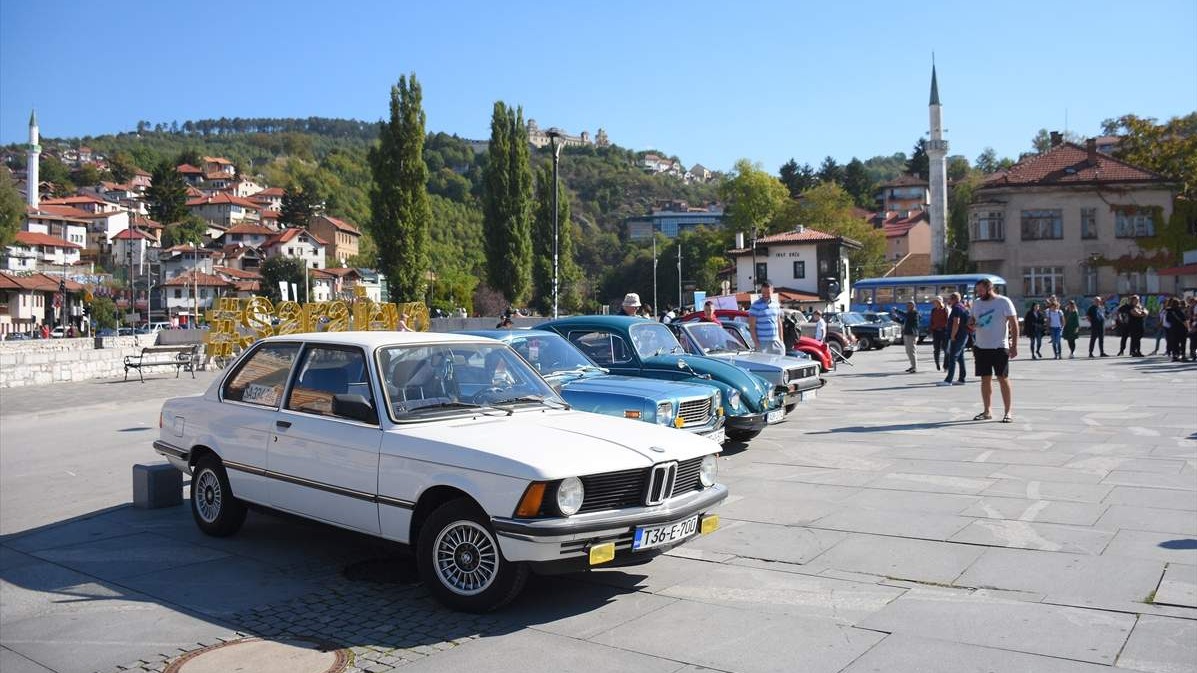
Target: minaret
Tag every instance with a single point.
(937, 152)
(33, 155)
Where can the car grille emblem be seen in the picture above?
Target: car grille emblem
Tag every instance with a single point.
(660, 483)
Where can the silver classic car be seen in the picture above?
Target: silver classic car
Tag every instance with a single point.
(449, 443)
(792, 377)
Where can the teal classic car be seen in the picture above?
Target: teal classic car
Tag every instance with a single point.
(692, 407)
(647, 349)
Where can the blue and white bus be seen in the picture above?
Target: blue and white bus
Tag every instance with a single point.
(886, 294)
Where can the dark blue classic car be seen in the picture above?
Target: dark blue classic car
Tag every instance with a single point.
(693, 407)
(647, 349)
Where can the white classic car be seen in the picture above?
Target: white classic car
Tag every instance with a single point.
(451, 444)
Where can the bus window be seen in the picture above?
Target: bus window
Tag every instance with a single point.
(904, 293)
(945, 290)
(885, 295)
(864, 295)
(1001, 289)
(924, 293)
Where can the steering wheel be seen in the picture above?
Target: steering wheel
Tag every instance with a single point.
(488, 395)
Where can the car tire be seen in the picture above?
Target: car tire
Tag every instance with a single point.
(460, 561)
(864, 343)
(742, 435)
(215, 510)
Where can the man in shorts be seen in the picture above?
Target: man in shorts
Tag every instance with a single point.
(995, 343)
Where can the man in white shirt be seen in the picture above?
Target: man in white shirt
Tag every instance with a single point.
(996, 341)
(820, 326)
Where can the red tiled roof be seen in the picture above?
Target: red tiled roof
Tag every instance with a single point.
(35, 238)
(188, 168)
(807, 235)
(237, 273)
(248, 285)
(223, 198)
(68, 200)
(58, 213)
(217, 160)
(897, 225)
(271, 191)
(783, 295)
(250, 228)
(37, 282)
(341, 271)
(147, 223)
(194, 191)
(340, 224)
(905, 181)
(1068, 163)
(287, 234)
(189, 278)
(130, 234)
(267, 214)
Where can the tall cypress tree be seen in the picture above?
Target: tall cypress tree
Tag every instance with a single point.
(507, 205)
(402, 213)
(167, 194)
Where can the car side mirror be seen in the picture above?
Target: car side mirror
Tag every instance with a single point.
(357, 407)
(681, 364)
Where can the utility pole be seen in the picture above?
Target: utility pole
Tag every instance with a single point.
(679, 278)
(656, 307)
(556, 142)
(195, 288)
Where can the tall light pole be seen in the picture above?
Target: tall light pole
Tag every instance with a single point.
(555, 143)
(656, 306)
(679, 279)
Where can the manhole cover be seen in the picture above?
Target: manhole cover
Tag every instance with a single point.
(253, 655)
(389, 570)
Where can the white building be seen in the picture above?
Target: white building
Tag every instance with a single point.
(223, 210)
(187, 292)
(35, 251)
(803, 263)
(298, 243)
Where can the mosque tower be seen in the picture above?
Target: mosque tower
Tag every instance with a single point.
(33, 156)
(937, 152)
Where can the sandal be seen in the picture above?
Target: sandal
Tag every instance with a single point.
(1007, 418)
(983, 416)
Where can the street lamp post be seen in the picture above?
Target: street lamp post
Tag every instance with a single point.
(555, 136)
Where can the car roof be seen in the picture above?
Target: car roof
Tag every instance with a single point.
(605, 320)
(375, 339)
(505, 334)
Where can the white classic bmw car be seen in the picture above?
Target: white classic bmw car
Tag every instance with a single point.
(451, 444)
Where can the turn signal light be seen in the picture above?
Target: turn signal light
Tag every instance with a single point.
(679, 422)
(710, 524)
(632, 413)
(533, 497)
(602, 553)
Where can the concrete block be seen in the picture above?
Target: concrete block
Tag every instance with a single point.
(157, 485)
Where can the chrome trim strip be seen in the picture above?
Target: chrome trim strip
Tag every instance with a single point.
(170, 449)
(321, 486)
(674, 509)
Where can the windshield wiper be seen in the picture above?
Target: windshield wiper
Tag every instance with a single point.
(548, 402)
(457, 405)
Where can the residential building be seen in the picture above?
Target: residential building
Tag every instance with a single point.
(48, 220)
(244, 187)
(342, 237)
(85, 202)
(1054, 223)
(141, 180)
(223, 210)
(130, 248)
(807, 264)
(246, 283)
(699, 173)
(34, 251)
(322, 285)
(271, 198)
(192, 175)
(540, 138)
(192, 290)
(654, 163)
(908, 243)
(29, 300)
(673, 218)
(298, 243)
(213, 165)
(247, 233)
(903, 195)
(181, 259)
(239, 256)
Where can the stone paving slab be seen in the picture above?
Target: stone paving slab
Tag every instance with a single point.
(1028, 535)
(1061, 575)
(1149, 519)
(900, 558)
(1049, 490)
(925, 526)
(1042, 511)
(1069, 633)
(901, 653)
(761, 510)
(1179, 586)
(1161, 645)
(125, 556)
(1163, 546)
(769, 542)
(1153, 497)
(1128, 478)
(533, 651)
(11, 662)
(578, 609)
(911, 501)
(742, 641)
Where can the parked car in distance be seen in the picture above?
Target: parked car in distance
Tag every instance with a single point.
(795, 345)
(451, 444)
(839, 337)
(693, 407)
(870, 333)
(646, 348)
(794, 379)
(106, 332)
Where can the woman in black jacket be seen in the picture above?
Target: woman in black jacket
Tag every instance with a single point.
(1177, 329)
(1033, 325)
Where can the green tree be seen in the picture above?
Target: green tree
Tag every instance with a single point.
(960, 195)
(507, 205)
(797, 179)
(988, 162)
(830, 171)
(542, 249)
(87, 175)
(367, 253)
(1042, 142)
(753, 197)
(190, 229)
(919, 163)
(299, 204)
(958, 168)
(103, 313)
(401, 213)
(283, 268)
(51, 170)
(122, 166)
(12, 208)
(857, 183)
(1169, 149)
(828, 208)
(167, 194)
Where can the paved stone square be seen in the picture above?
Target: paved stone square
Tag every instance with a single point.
(878, 529)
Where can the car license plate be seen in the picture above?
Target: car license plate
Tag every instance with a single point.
(775, 416)
(808, 395)
(655, 536)
(719, 436)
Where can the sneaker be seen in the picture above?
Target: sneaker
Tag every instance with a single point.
(1104, 355)
(958, 383)
(944, 383)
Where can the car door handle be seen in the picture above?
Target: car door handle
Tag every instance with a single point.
(283, 424)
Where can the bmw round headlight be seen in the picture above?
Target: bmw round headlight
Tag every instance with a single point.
(569, 496)
(665, 413)
(733, 400)
(708, 470)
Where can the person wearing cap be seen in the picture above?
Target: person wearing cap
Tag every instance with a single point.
(631, 304)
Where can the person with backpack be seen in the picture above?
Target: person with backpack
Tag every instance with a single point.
(1096, 315)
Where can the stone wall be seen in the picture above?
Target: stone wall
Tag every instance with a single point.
(35, 363)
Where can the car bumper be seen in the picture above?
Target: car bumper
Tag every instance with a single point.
(801, 389)
(564, 544)
(177, 456)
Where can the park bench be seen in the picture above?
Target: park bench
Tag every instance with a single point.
(180, 357)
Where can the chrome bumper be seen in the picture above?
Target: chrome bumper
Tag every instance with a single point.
(179, 457)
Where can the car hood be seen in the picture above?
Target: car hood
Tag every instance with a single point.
(631, 385)
(547, 445)
(751, 386)
(760, 362)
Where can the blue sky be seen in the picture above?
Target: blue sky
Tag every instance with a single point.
(708, 81)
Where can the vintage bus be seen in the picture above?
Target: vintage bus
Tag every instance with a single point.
(887, 294)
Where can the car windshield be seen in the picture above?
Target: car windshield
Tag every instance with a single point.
(853, 319)
(712, 338)
(653, 338)
(435, 379)
(552, 354)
